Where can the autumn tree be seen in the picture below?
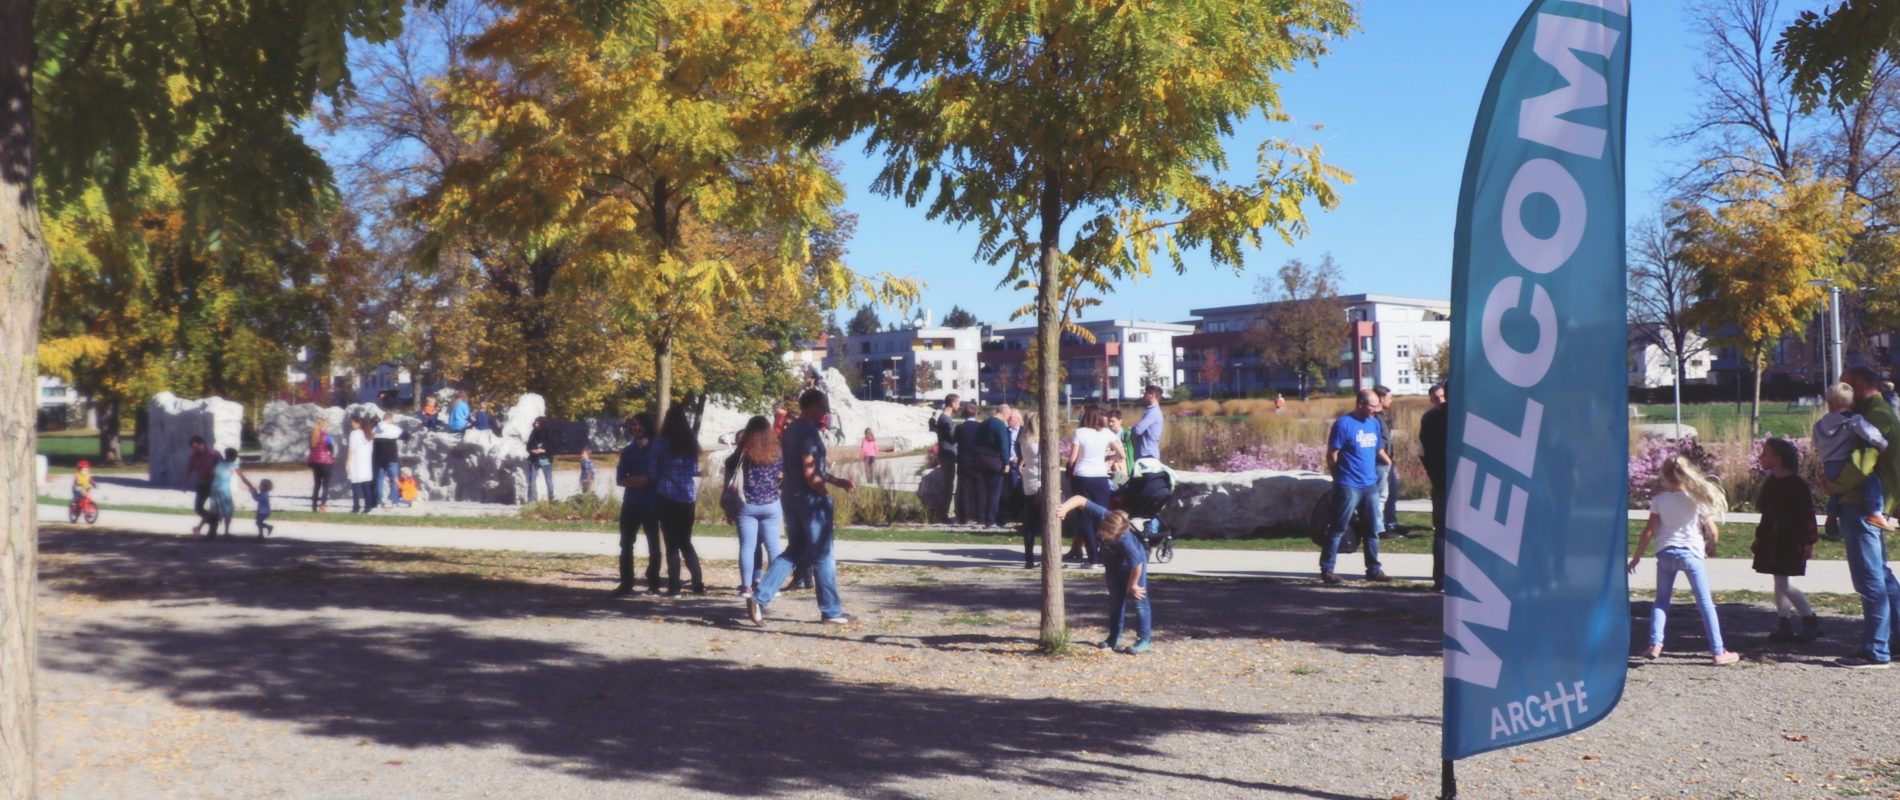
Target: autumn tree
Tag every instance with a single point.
(1151, 374)
(1105, 118)
(1752, 252)
(632, 151)
(924, 377)
(959, 318)
(1305, 325)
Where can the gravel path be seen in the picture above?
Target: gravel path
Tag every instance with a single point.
(176, 668)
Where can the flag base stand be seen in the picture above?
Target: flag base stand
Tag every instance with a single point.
(1448, 781)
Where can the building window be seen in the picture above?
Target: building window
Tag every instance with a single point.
(1405, 377)
(1137, 338)
(1405, 350)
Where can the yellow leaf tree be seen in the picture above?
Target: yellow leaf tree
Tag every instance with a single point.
(1752, 250)
(647, 150)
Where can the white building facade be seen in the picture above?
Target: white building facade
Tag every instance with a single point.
(886, 363)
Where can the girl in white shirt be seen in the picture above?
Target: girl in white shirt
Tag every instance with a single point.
(1682, 521)
(357, 466)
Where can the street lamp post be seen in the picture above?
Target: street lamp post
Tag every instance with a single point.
(1832, 362)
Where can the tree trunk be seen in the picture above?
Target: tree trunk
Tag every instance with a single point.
(109, 451)
(1055, 622)
(662, 378)
(23, 267)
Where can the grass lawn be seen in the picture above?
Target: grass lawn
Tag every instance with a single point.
(1734, 543)
(66, 448)
(1715, 420)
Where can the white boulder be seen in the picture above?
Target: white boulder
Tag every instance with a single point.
(1665, 430)
(284, 437)
(1238, 505)
(174, 420)
(518, 421)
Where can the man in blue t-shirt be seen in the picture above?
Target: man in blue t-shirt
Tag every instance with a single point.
(1354, 450)
(805, 494)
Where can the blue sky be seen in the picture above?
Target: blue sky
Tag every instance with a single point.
(1396, 104)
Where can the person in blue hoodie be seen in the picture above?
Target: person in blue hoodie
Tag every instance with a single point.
(637, 508)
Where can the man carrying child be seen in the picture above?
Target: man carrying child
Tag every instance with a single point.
(1866, 552)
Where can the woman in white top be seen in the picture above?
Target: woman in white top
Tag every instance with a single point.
(1029, 444)
(1682, 521)
(357, 466)
(1093, 450)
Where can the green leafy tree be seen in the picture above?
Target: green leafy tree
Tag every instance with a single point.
(924, 378)
(959, 318)
(1104, 118)
(1305, 327)
(864, 322)
(1832, 55)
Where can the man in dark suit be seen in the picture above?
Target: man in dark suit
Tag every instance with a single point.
(1431, 445)
(969, 483)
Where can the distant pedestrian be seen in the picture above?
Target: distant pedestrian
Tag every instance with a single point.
(223, 502)
(459, 416)
(969, 486)
(1279, 403)
(322, 459)
(1431, 447)
(1029, 449)
(944, 426)
(1090, 462)
(385, 460)
(806, 498)
(540, 458)
(757, 467)
(992, 467)
(1354, 449)
(587, 470)
(1146, 432)
(430, 415)
(483, 420)
(1388, 471)
(637, 512)
(408, 489)
(1682, 523)
(674, 466)
(1784, 540)
(261, 496)
(868, 450)
(199, 468)
(359, 468)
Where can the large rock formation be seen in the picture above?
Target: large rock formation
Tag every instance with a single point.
(284, 437)
(174, 420)
(900, 426)
(1238, 505)
(519, 419)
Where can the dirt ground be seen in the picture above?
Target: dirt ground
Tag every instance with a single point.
(245, 669)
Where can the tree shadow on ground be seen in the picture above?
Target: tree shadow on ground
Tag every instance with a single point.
(709, 724)
(473, 585)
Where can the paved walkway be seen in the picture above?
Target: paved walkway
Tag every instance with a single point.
(1725, 573)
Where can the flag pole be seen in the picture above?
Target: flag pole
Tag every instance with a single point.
(1448, 780)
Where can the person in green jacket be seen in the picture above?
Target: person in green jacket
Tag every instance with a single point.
(1866, 551)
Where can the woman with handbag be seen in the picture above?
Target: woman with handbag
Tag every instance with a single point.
(322, 459)
(753, 474)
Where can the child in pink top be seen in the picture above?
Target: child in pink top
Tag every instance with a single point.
(868, 449)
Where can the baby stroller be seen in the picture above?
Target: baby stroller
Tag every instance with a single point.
(1143, 497)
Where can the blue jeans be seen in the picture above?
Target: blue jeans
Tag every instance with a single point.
(1873, 581)
(807, 544)
(546, 468)
(1669, 561)
(1345, 500)
(1118, 601)
(386, 486)
(758, 522)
